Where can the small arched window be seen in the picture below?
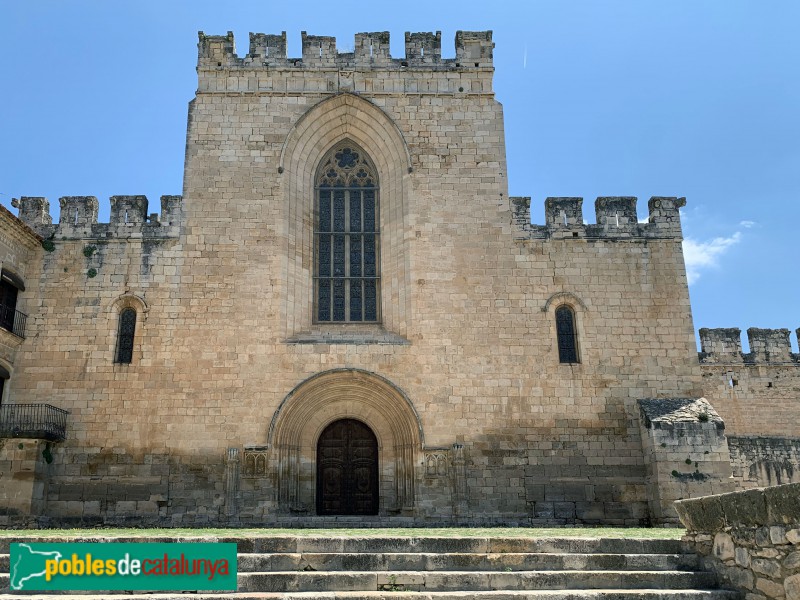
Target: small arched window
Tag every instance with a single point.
(125, 334)
(567, 335)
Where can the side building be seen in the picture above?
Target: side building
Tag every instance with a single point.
(345, 315)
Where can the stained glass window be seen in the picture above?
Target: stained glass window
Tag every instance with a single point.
(346, 237)
(125, 335)
(567, 339)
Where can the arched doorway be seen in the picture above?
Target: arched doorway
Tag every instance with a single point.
(347, 469)
(323, 399)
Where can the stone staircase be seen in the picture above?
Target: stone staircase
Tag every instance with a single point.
(440, 568)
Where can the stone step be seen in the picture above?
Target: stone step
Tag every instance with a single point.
(350, 581)
(471, 580)
(423, 561)
(576, 594)
(320, 544)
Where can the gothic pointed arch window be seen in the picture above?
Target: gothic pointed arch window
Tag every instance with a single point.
(346, 238)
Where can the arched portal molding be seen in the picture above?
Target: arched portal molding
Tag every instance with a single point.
(345, 117)
(345, 394)
(345, 111)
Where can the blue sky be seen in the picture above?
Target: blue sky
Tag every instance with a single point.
(695, 99)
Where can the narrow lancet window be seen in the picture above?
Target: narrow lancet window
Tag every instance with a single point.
(125, 335)
(567, 338)
(346, 236)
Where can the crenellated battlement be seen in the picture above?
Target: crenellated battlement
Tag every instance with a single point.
(474, 50)
(616, 218)
(767, 346)
(78, 218)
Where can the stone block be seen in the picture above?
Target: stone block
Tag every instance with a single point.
(564, 510)
(765, 566)
(771, 589)
(742, 556)
(791, 586)
(701, 514)
(723, 546)
(783, 504)
(791, 562)
(777, 535)
(746, 508)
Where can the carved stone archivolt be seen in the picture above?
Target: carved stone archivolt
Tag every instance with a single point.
(345, 394)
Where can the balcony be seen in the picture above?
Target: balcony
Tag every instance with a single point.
(35, 421)
(12, 320)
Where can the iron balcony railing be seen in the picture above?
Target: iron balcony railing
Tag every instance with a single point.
(13, 320)
(37, 421)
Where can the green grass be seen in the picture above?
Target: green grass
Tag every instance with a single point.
(502, 532)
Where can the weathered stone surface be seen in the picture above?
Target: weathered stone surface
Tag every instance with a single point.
(782, 503)
(792, 587)
(742, 579)
(701, 514)
(792, 561)
(777, 535)
(765, 560)
(742, 556)
(765, 566)
(771, 589)
(723, 546)
(747, 508)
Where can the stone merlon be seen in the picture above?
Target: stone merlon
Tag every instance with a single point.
(78, 217)
(616, 218)
(474, 49)
(724, 346)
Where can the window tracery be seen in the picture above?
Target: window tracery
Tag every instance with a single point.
(347, 264)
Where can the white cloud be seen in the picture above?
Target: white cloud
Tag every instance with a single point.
(704, 255)
(747, 224)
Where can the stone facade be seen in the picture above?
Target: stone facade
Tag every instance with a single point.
(232, 379)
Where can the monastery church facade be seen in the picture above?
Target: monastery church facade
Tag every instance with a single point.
(345, 318)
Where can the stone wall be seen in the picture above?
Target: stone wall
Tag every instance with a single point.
(686, 452)
(24, 470)
(751, 539)
(222, 282)
(760, 461)
(757, 393)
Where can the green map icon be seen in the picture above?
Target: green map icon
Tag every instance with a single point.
(27, 565)
(151, 566)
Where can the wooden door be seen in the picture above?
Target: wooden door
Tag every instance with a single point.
(347, 469)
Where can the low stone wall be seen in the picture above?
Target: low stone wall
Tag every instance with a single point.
(751, 539)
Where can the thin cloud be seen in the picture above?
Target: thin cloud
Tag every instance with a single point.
(700, 256)
(747, 224)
